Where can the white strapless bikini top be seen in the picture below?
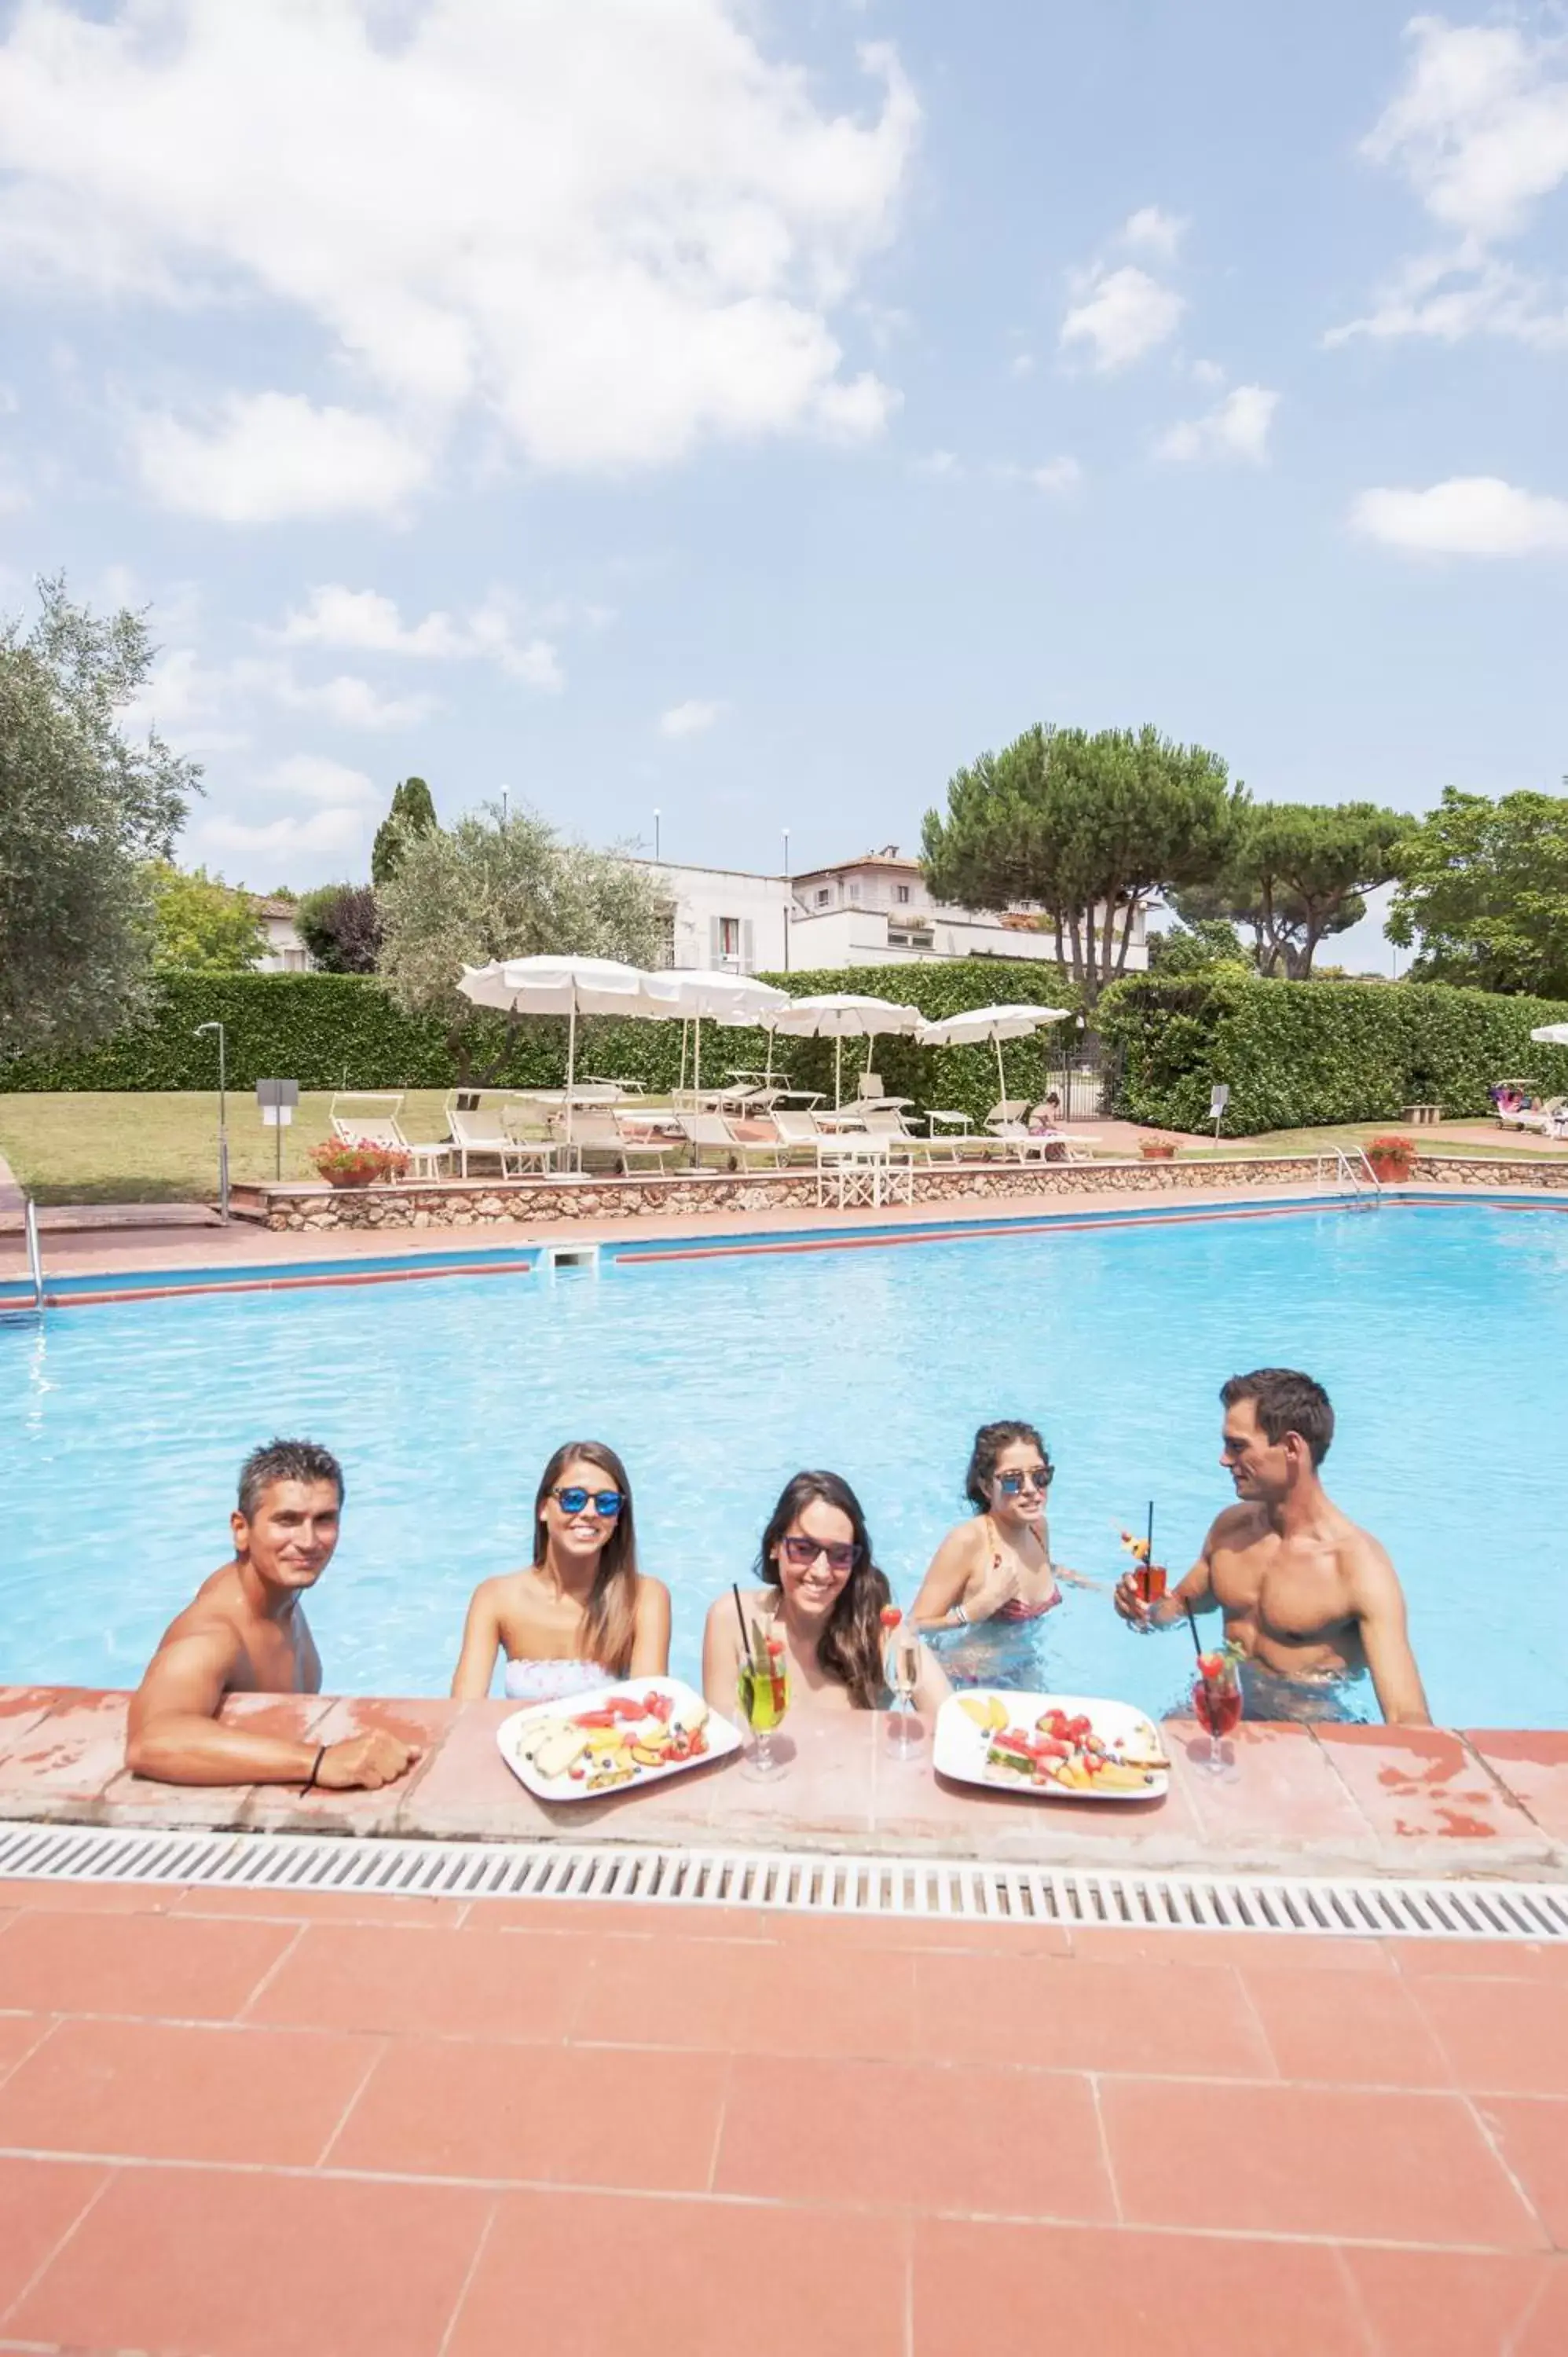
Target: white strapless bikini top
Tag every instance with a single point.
(553, 1681)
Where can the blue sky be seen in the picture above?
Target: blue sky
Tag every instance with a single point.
(754, 412)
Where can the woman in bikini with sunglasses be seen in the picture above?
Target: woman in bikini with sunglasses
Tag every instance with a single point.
(582, 1613)
(992, 1580)
(822, 1593)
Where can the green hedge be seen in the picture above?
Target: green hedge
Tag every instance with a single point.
(1300, 1054)
(330, 1031)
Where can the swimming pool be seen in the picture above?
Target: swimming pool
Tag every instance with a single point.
(1442, 1334)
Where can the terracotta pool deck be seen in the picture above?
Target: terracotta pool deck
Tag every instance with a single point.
(241, 2124)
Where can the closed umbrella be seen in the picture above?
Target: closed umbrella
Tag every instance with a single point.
(569, 986)
(978, 1024)
(841, 1015)
(729, 998)
(1552, 1035)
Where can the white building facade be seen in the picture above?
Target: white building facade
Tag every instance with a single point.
(873, 910)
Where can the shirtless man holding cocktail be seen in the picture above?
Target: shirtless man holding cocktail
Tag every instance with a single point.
(1309, 1598)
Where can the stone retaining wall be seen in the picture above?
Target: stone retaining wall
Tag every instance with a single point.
(478, 1204)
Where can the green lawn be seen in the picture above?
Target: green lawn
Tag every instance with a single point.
(115, 1148)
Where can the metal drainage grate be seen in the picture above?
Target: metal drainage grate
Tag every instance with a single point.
(803, 1883)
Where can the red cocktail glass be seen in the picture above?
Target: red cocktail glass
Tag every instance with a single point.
(1217, 1702)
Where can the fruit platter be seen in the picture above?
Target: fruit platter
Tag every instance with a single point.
(613, 1739)
(1053, 1746)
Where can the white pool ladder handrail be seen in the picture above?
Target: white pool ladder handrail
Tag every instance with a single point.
(1353, 1173)
(34, 1255)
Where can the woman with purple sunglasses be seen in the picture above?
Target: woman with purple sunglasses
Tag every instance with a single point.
(992, 1581)
(582, 1613)
(821, 1592)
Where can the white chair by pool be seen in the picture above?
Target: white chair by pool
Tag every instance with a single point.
(382, 1128)
(714, 1133)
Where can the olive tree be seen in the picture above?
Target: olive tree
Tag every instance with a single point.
(503, 884)
(84, 811)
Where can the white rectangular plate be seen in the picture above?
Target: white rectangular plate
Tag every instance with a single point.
(961, 1747)
(525, 1726)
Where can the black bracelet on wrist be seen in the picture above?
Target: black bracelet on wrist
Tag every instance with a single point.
(315, 1768)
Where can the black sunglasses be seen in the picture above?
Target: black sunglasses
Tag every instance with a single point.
(803, 1551)
(605, 1502)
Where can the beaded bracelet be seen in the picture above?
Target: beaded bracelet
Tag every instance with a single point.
(315, 1768)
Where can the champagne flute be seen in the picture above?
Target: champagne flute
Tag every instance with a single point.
(762, 1689)
(901, 1667)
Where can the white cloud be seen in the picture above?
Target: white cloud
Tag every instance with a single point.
(1480, 128)
(693, 719)
(1237, 427)
(1470, 516)
(313, 778)
(270, 456)
(282, 841)
(1056, 474)
(618, 227)
(1207, 373)
(1150, 230)
(1479, 133)
(351, 702)
(1451, 295)
(1120, 315)
(334, 616)
(940, 467)
(362, 620)
(1021, 365)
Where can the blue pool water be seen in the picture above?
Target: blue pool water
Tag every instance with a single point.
(1440, 1333)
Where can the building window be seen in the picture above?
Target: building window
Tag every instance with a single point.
(901, 892)
(823, 897)
(729, 937)
(854, 891)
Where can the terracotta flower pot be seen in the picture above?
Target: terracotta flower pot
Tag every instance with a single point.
(1157, 1149)
(350, 1177)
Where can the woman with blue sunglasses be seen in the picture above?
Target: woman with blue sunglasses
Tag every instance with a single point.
(582, 1613)
(992, 1581)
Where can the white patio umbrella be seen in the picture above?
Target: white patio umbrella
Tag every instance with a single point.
(569, 986)
(977, 1024)
(735, 999)
(1552, 1035)
(838, 1016)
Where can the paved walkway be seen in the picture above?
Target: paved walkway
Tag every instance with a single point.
(237, 2125)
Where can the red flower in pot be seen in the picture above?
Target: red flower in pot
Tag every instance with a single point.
(1392, 1159)
(344, 1164)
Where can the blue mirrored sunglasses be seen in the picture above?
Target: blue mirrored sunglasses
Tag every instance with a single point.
(605, 1502)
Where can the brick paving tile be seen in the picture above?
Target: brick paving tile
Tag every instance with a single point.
(425, 1984)
(663, 1992)
(904, 2137)
(19, 2033)
(607, 2116)
(1479, 1960)
(328, 1905)
(1533, 2135)
(170, 2093)
(1112, 2295)
(1379, 2037)
(196, 2263)
(1422, 1785)
(1504, 2041)
(1448, 2303)
(1259, 1951)
(1177, 2018)
(151, 1964)
(40, 2201)
(89, 1898)
(1533, 1765)
(802, 2000)
(1310, 2160)
(704, 2278)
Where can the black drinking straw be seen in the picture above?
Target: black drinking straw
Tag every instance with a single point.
(1196, 1639)
(1149, 1558)
(745, 1631)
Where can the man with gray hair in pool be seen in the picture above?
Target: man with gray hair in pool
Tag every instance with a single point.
(245, 1632)
(1309, 1598)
